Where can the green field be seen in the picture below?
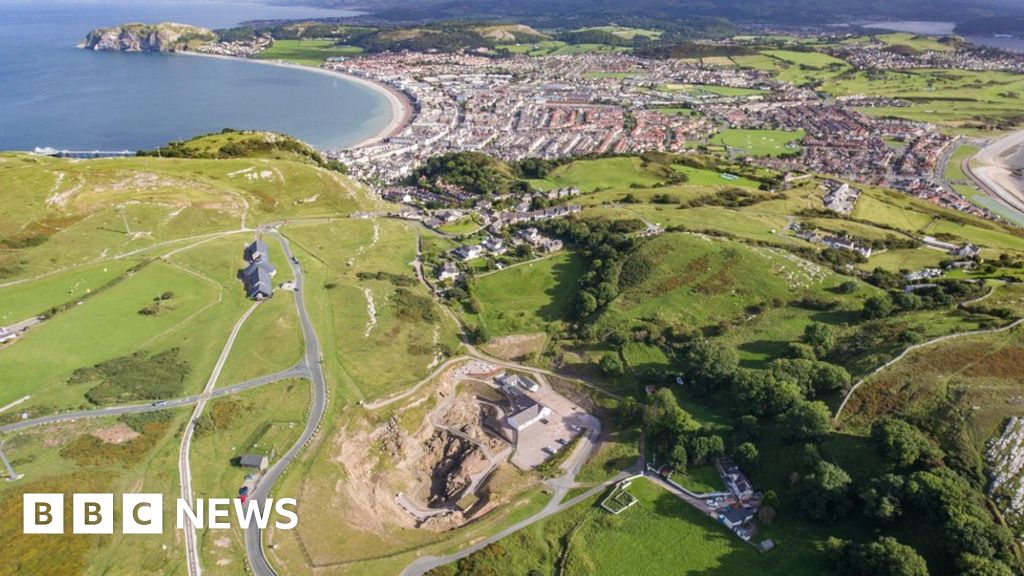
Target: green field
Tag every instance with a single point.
(956, 98)
(809, 59)
(760, 142)
(308, 52)
(527, 297)
(660, 534)
(916, 42)
(367, 358)
(265, 421)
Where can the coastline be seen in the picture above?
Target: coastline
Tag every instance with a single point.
(401, 107)
(994, 174)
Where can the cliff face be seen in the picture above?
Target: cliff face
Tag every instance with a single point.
(165, 37)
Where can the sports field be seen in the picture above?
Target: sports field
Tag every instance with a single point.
(760, 142)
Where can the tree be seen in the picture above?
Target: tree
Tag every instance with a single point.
(903, 444)
(883, 498)
(877, 307)
(829, 378)
(848, 287)
(629, 411)
(746, 455)
(678, 459)
(807, 421)
(823, 494)
(710, 365)
(883, 557)
(971, 565)
(586, 304)
(746, 428)
(665, 422)
(703, 448)
(765, 393)
(821, 336)
(611, 365)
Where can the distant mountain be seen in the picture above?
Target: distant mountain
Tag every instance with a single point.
(552, 12)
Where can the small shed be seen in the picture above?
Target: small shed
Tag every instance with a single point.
(254, 461)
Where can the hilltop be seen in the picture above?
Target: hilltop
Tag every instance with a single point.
(137, 37)
(229, 143)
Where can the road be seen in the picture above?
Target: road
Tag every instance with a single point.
(294, 372)
(184, 469)
(992, 174)
(318, 406)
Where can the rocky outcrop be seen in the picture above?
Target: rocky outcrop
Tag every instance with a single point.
(164, 37)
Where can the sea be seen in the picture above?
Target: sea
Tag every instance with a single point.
(1013, 43)
(55, 95)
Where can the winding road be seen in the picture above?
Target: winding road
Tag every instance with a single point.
(311, 363)
(310, 368)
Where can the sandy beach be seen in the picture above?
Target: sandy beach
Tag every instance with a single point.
(993, 171)
(401, 107)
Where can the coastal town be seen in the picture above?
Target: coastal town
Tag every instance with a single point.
(548, 294)
(594, 104)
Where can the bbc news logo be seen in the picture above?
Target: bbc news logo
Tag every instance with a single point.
(144, 513)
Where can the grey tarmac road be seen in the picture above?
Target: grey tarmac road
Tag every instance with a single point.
(294, 372)
(253, 535)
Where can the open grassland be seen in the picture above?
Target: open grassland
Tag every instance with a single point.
(21, 301)
(626, 32)
(102, 328)
(916, 42)
(59, 213)
(270, 341)
(816, 60)
(528, 297)
(695, 280)
(265, 421)
(957, 98)
(134, 454)
(800, 68)
(379, 329)
(590, 175)
(912, 259)
(308, 52)
(760, 142)
(921, 218)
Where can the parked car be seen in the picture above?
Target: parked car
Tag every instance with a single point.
(243, 491)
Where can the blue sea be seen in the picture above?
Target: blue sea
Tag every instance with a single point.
(52, 94)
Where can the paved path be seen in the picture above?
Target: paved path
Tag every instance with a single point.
(184, 470)
(318, 406)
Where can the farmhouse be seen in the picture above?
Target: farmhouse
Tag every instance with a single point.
(254, 461)
(258, 275)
